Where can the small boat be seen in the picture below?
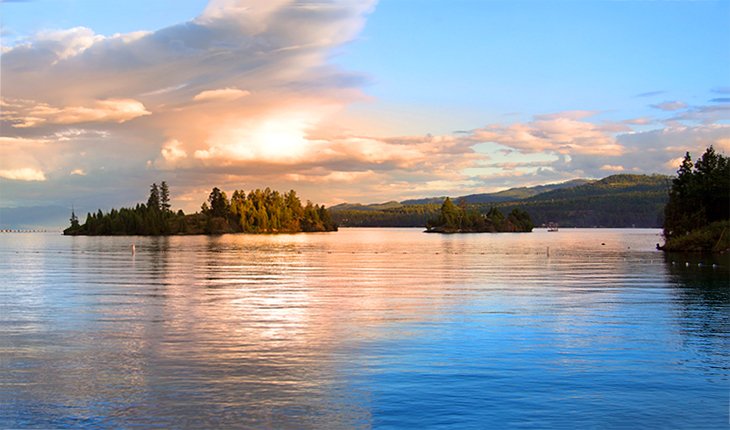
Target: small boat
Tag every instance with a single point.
(552, 226)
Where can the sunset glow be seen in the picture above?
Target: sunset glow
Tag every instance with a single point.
(351, 101)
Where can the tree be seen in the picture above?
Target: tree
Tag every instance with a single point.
(700, 194)
(218, 202)
(164, 197)
(153, 202)
(74, 219)
(450, 213)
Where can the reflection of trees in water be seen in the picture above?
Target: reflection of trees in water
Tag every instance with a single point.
(699, 279)
(703, 293)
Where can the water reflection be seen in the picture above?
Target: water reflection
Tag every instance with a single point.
(363, 328)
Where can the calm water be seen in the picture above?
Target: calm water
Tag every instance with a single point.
(362, 328)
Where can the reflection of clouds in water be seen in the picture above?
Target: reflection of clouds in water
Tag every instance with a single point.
(356, 327)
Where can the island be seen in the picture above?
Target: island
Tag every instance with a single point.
(464, 219)
(697, 215)
(256, 212)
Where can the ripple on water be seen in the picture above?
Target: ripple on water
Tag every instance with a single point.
(362, 328)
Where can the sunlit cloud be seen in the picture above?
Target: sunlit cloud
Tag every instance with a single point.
(565, 134)
(25, 113)
(23, 174)
(247, 95)
(224, 94)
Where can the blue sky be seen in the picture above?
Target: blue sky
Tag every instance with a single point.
(354, 100)
(482, 59)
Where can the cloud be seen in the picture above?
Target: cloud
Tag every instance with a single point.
(704, 114)
(721, 90)
(23, 159)
(24, 113)
(612, 168)
(246, 94)
(571, 114)
(23, 174)
(638, 121)
(720, 100)
(650, 94)
(224, 94)
(670, 105)
(557, 133)
(172, 151)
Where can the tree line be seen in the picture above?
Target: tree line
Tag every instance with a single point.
(462, 218)
(259, 211)
(697, 215)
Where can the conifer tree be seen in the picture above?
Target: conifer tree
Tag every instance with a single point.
(153, 203)
(164, 197)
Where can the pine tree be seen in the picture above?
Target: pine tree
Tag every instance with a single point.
(164, 197)
(74, 219)
(153, 203)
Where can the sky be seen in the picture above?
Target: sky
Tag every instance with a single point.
(349, 101)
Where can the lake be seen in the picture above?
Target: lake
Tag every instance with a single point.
(363, 328)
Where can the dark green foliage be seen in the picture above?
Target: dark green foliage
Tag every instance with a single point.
(615, 201)
(218, 203)
(153, 202)
(714, 237)
(260, 211)
(394, 216)
(75, 226)
(700, 196)
(463, 218)
(164, 197)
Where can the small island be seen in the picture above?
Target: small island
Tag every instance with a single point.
(259, 211)
(463, 219)
(697, 215)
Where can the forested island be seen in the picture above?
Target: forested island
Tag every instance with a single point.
(697, 215)
(463, 219)
(259, 211)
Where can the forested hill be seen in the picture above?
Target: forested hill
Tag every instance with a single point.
(615, 201)
(509, 195)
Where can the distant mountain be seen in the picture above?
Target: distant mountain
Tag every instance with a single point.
(610, 185)
(371, 207)
(511, 194)
(614, 201)
(521, 193)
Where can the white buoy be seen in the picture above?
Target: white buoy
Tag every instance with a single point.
(686, 263)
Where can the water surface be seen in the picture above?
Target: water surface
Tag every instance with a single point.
(381, 328)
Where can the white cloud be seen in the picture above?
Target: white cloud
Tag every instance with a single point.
(172, 151)
(78, 172)
(23, 174)
(224, 94)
